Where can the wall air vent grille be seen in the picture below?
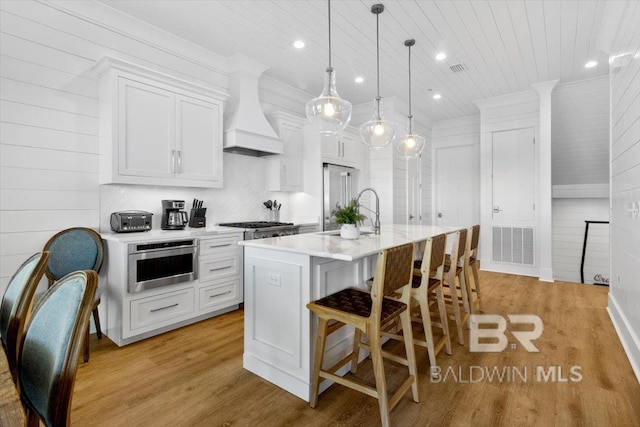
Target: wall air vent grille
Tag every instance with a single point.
(457, 68)
(513, 245)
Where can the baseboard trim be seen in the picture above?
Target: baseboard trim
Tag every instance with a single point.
(628, 337)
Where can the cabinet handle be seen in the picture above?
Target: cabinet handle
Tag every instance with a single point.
(173, 161)
(179, 161)
(219, 246)
(219, 295)
(219, 268)
(163, 308)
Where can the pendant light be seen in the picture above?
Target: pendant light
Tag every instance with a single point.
(377, 133)
(330, 111)
(411, 144)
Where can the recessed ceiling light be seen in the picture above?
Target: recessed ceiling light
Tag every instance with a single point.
(590, 64)
(359, 79)
(437, 96)
(298, 44)
(441, 56)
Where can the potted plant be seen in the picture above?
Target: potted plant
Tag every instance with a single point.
(349, 217)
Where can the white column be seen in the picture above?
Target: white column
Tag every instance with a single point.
(545, 243)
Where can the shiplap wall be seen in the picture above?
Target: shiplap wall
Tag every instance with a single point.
(579, 156)
(569, 217)
(624, 296)
(49, 122)
(580, 132)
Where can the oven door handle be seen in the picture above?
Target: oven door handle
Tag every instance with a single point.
(163, 252)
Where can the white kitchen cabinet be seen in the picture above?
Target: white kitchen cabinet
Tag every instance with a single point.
(284, 172)
(156, 129)
(131, 317)
(220, 273)
(340, 149)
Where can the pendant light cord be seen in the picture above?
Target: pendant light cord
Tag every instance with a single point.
(410, 115)
(378, 55)
(329, 14)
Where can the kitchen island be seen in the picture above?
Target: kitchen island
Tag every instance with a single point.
(282, 274)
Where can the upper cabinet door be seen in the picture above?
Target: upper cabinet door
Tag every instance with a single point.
(145, 130)
(292, 176)
(348, 146)
(198, 142)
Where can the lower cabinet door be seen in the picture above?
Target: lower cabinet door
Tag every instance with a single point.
(156, 311)
(220, 295)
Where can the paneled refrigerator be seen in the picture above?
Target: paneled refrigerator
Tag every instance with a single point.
(340, 184)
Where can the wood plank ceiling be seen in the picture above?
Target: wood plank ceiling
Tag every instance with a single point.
(505, 46)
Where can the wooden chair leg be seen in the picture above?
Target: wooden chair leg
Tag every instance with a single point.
(466, 296)
(474, 268)
(381, 381)
(407, 333)
(96, 320)
(442, 308)
(428, 331)
(467, 282)
(86, 344)
(317, 360)
(456, 307)
(357, 336)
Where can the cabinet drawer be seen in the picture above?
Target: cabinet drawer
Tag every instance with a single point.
(219, 267)
(220, 295)
(158, 309)
(220, 245)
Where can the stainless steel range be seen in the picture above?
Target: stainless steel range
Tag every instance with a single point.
(264, 229)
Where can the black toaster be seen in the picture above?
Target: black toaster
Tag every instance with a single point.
(128, 221)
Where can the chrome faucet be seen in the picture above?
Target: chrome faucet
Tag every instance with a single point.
(376, 226)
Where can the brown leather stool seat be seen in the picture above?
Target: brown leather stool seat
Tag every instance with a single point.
(358, 302)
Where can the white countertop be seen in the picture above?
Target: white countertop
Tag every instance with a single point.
(153, 235)
(329, 244)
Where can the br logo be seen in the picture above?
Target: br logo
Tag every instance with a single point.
(497, 335)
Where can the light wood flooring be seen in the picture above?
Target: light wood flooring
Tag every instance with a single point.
(194, 376)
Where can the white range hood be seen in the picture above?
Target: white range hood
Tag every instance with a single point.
(246, 129)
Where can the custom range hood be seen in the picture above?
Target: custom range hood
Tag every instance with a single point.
(246, 129)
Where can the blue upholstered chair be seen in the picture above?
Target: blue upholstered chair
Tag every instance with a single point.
(50, 348)
(71, 250)
(15, 306)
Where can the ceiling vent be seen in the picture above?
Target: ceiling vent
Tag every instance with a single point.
(457, 68)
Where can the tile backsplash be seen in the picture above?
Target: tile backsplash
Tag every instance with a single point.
(240, 199)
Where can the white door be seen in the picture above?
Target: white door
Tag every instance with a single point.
(413, 191)
(198, 142)
(291, 173)
(513, 176)
(457, 186)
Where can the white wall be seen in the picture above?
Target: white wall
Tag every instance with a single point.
(569, 216)
(580, 132)
(624, 295)
(49, 124)
(580, 159)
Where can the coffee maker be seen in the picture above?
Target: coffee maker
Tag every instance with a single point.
(173, 217)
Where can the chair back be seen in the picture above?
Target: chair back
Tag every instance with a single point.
(50, 347)
(433, 257)
(459, 249)
(474, 237)
(16, 303)
(394, 269)
(73, 249)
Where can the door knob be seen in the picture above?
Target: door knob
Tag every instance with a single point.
(440, 215)
(496, 209)
(411, 216)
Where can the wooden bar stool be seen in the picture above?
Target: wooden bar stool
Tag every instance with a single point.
(471, 264)
(427, 283)
(367, 312)
(454, 281)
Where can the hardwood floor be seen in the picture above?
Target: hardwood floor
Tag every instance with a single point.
(194, 376)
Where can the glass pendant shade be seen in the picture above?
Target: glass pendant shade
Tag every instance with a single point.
(409, 145)
(377, 133)
(331, 112)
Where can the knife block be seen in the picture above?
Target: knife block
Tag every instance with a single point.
(197, 218)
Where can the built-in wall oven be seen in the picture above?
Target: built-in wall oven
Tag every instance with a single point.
(156, 264)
